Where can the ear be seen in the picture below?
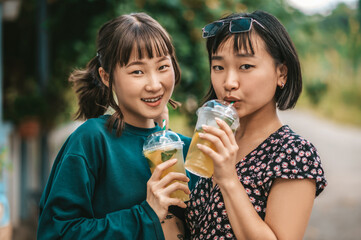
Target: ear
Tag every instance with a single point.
(282, 72)
(104, 76)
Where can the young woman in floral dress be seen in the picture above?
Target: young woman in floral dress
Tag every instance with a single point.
(266, 176)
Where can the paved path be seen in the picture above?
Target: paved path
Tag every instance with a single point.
(337, 211)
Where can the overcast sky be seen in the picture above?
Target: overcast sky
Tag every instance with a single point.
(318, 6)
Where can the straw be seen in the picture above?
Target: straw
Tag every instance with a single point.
(163, 127)
(232, 103)
(164, 124)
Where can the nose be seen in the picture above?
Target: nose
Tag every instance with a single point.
(231, 81)
(153, 84)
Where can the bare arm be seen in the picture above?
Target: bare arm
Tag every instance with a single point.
(289, 207)
(173, 228)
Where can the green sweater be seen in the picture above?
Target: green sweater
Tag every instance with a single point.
(97, 186)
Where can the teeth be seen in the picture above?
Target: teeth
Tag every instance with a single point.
(151, 99)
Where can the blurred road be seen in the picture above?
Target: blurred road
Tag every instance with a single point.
(337, 211)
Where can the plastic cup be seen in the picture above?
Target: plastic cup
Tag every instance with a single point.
(162, 146)
(197, 162)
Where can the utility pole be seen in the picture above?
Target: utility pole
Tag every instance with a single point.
(43, 78)
(1, 65)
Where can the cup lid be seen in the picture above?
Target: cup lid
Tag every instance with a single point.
(223, 109)
(162, 139)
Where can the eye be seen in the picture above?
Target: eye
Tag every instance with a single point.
(246, 66)
(163, 67)
(217, 68)
(137, 72)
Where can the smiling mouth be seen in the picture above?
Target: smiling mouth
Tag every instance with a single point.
(152, 100)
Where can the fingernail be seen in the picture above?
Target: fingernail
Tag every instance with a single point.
(201, 134)
(204, 126)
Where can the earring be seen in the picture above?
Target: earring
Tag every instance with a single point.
(282, 85)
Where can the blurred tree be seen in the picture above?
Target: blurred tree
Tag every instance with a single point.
(341, 32)
(67, 28)
(73, 25)
(19, 61)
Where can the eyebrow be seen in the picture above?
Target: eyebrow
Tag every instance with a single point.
(245, 55)
(237, 55)
(135, 63)
(142, 62)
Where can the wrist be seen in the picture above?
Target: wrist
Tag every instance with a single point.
(228, 183)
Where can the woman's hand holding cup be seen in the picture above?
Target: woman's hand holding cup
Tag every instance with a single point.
(159, 189)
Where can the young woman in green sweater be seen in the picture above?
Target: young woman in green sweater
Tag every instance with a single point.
(100, 186)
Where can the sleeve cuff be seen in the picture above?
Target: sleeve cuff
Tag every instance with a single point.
(154, 217)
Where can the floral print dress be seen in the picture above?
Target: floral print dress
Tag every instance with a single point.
(284, 154)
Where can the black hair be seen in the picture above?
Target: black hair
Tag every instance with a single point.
(278, 44)
(115, 42)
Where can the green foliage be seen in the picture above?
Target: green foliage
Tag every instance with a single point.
(315, 91)
(351, 96)
(329, 48)
(331, 53)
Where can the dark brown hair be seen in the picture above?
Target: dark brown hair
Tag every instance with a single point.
(115, 42)
(278, 44)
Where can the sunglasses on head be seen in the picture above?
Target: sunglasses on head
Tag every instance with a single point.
(236, 25)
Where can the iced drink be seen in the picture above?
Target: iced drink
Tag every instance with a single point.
(197, 162)
(163, 146)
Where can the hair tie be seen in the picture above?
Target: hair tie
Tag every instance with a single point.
(98, 58)
(95, 81)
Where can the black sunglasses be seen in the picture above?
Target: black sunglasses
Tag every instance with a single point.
(236, 25)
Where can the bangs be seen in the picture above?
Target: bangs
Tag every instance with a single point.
(146, 42)
(241, 42)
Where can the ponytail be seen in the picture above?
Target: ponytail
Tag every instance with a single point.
(92, 94)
